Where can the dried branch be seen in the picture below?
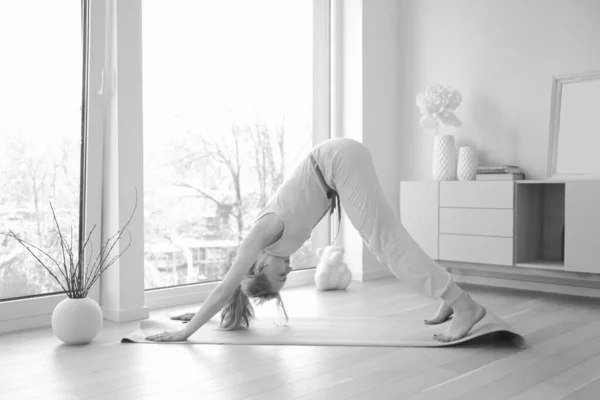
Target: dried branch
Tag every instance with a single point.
(26, 245)
(77, 282)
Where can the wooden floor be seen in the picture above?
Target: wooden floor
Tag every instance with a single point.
(562, 360)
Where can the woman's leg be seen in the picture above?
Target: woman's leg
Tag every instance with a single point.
(349, 169)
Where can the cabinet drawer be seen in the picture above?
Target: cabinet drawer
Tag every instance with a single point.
(477, 221)
(477, 194)
(476, 249)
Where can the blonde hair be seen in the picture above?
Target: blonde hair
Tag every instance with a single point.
(239, 312)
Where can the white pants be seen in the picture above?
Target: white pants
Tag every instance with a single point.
(348, 168)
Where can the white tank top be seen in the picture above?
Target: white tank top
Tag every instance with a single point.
(301, 202)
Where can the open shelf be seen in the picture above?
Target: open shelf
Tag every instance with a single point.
(539, 225)
(543, 264)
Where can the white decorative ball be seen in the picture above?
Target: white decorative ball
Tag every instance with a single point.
(77, 321)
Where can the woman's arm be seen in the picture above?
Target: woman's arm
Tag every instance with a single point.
(262, 234)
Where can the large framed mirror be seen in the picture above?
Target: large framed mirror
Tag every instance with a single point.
(574, 148)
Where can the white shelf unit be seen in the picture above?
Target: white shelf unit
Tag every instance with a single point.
(515, 225)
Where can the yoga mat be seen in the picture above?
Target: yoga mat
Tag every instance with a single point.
(382, 332)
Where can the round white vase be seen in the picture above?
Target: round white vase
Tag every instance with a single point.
(466, 169)
(77, 321)
(444, 158)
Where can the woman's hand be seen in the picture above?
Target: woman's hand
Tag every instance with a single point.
(176, 336)
(187, 317)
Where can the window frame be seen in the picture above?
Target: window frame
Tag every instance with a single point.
(322, 17)
(36, 311)
(107, 92)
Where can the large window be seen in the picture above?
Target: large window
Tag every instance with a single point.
(229, 95)
(40, 136)
(228, 111)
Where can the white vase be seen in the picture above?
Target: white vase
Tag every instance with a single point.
(444, 158)
(466, 169)
(76, 321)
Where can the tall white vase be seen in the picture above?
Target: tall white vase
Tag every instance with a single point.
(444, 158)
(466, 169)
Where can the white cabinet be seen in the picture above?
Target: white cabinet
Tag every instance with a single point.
(476, 222)
(461, 221)
(419, 210)
(582, 226)
(525, 224)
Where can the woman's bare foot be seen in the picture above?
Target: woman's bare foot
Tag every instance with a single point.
(442, 315)
(467, 312)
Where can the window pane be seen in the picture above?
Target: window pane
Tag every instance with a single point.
(40, 136)
(228, 89)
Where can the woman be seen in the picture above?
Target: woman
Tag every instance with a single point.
(336, 169)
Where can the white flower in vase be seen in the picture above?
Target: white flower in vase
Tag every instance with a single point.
(437, 105)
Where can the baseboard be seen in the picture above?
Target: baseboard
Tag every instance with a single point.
(45, 320)
(28, 313)
(29, 307)
(19, 324)
(302, 277)
(194, 294)
(126, 315)
(155, 299)
(374, 274)
(528, 286)
(536, 280)
(175, 296)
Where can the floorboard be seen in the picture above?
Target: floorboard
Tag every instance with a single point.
(562, 360)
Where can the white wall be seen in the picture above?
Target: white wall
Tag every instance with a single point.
(349, 82)
(382, 73)
(122, 294)
(369, 112)
(501, 55)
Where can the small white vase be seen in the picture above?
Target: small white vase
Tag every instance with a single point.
(466, 169)
(444, 158)
(77, 321)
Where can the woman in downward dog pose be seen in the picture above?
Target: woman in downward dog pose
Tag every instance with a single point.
(336, 170)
